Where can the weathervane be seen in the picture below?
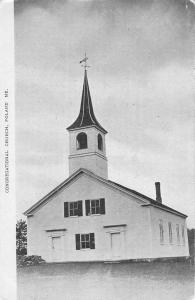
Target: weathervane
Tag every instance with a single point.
(84, 60)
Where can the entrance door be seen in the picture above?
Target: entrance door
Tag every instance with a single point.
(56, 248)
(116, 244)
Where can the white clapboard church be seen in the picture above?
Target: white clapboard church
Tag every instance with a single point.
(91, 218)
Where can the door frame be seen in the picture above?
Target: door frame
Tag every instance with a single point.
(52, 234)
(56, 258)
(120, 229)
(114, 255)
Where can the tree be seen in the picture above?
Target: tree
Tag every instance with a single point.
(191, 241)
(21, 237)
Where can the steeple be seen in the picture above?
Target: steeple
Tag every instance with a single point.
(87, 137)
(86, 115)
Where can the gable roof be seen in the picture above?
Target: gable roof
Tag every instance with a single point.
(86, 115)
(146, 200)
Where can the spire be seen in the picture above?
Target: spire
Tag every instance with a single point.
(86, 115)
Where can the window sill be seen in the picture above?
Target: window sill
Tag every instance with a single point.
(81, 148)
(86, 249)
(167, 244)
(171, 244)
(91, 215)
(73, 217)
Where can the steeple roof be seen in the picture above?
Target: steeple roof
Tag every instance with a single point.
(86, 115)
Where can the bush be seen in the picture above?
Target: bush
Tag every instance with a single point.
(23, 251)
(31, 260)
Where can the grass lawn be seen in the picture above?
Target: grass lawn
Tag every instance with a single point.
(100, 281)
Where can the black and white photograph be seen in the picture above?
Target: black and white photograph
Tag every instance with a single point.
(98, 133)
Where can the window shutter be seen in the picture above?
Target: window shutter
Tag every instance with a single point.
(77, 239)
(66, 212)
(80, 208)
(92, 241)
(87, 207)
(102, 206)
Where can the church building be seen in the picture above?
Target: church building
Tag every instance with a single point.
(88, 217)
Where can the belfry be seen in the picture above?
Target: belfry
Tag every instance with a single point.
(87, 138)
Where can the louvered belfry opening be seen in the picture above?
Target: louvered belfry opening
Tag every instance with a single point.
(82, 140)
(100, 142)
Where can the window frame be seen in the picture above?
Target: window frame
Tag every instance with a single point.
(77, 209)
(85, 241)
(73, 209)
(178, 234)
(183, 234)
(95, 207)
(170, 232)
(161, 231)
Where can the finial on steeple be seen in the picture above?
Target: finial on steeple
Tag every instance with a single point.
(84, 60)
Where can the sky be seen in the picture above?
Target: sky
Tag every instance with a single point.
(141, 79)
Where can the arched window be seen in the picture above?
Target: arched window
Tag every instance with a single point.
(82, 141)
(100, 142)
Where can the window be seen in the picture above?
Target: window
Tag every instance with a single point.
(95, 207)
(183, 234)
(161, 232)
(85, 241)
(73, 209)
(178, 235)
(100, 142)
(82, 141)
(170, 233)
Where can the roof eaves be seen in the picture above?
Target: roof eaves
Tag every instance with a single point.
(71, 128)
(166, 208)
(152, 201)
(131, 191)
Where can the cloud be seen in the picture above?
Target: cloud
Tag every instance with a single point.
(139, 34)
(141, 84)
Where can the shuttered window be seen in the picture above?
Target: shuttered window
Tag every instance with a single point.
(85, 241)
(95, 207)
(73, 209)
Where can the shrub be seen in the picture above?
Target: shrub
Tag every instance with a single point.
(31, 260)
